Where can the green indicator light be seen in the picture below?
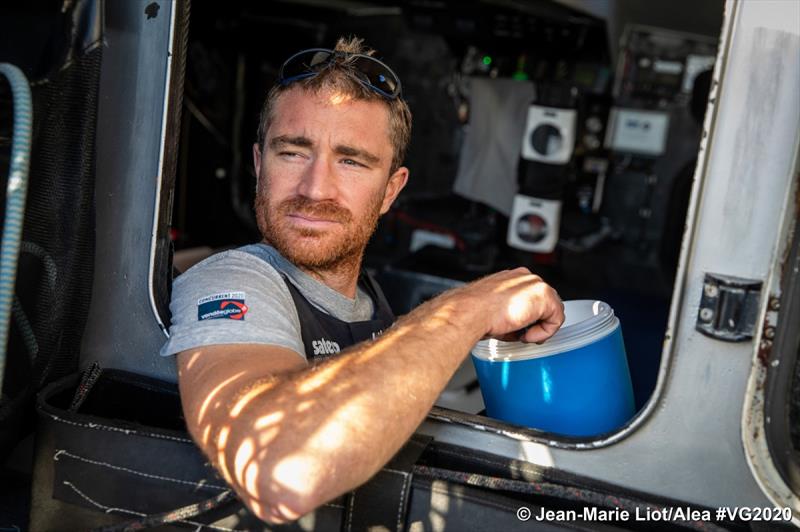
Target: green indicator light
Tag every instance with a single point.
(487, 60)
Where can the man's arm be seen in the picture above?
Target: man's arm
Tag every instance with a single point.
(289, 437)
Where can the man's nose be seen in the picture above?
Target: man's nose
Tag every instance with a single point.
(318, 181)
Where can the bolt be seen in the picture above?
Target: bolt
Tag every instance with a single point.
(711, 290)
(769, 332)
(774, 304)
(706, 314)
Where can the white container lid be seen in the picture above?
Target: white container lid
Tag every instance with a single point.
(585, 321)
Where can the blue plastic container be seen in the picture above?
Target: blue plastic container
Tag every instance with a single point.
(577, 383)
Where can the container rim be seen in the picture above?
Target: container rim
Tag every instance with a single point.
(573, 334)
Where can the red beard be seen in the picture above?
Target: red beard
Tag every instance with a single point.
(311, 249)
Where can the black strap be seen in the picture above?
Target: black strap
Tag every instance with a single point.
(376, 293)
(382, 503)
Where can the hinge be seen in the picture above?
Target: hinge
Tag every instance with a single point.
(728, 307)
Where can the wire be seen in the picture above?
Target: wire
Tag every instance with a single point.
(16, 192)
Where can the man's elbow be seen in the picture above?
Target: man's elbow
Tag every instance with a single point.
(276, 490)
(280, 507)
(264, 494)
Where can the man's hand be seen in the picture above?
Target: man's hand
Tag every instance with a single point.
(512, 305)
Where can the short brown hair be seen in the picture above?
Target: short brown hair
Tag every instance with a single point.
(340, 76)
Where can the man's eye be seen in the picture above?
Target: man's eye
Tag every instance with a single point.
(351, 162)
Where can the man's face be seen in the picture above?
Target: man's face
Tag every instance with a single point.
(324, 177)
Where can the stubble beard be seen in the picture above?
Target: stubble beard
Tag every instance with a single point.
(337, 250)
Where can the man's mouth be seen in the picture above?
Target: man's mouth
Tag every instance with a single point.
(308, 220)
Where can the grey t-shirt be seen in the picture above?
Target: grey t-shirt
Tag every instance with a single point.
(240, 297)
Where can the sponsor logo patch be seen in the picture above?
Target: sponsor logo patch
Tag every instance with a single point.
(228, 305)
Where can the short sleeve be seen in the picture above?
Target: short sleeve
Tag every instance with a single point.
(232, 298)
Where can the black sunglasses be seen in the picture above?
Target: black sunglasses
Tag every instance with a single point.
(371, 73)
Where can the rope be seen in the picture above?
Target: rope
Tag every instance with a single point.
(172, 516)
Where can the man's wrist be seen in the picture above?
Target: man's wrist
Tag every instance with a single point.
(461, 309)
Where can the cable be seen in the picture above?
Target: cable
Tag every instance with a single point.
(16, 193)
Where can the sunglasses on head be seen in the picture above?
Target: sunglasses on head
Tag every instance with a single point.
(370, 72)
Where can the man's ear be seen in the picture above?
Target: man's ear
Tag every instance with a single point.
(396, 183)
(257, 162)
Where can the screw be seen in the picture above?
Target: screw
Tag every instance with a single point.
(706, 314)
(774, 304)
(711, 290)
(769, 332)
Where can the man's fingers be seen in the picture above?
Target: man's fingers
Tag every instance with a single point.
(545, 327)
(514, 336)
(539, 332)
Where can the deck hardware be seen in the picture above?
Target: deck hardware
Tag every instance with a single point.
(728, 307)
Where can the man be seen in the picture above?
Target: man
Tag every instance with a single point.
(289, 425)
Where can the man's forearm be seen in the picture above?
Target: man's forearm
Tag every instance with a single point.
(295, 441)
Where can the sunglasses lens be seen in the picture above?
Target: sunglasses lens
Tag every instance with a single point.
(378, 75)
(304, 64)
(370, 71)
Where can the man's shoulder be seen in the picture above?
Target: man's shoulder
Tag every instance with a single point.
(248, 261)
(232, 297)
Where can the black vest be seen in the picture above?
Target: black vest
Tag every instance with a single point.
(324, 335)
